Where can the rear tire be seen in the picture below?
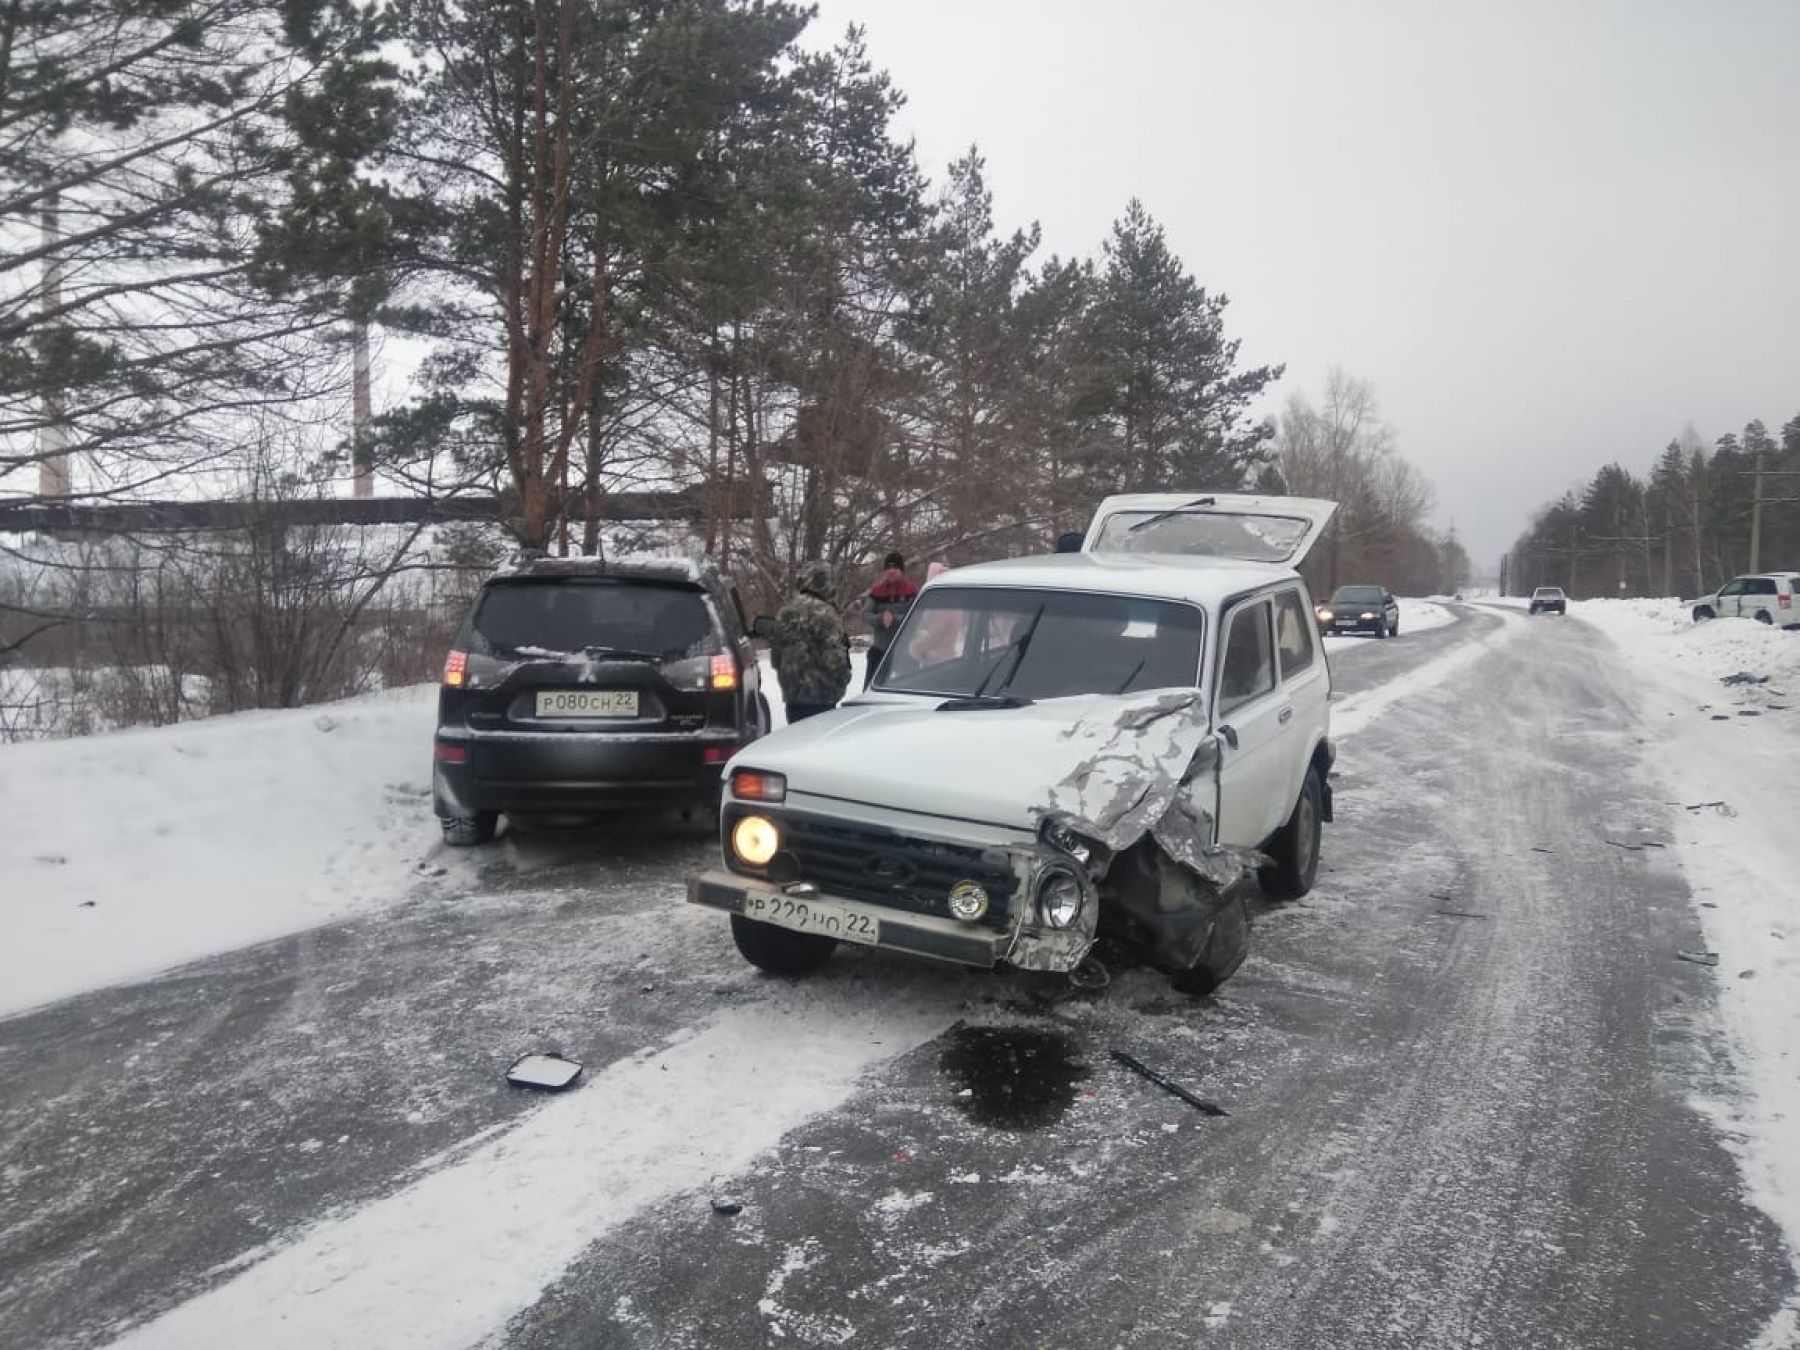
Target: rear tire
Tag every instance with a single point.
(469, 831)
(1763, 616)
(1295, 852)
(779, 950)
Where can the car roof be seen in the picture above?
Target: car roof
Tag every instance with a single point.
(637, 566)
(1161, 575)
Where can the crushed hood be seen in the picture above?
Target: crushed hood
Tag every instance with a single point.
(993, 765)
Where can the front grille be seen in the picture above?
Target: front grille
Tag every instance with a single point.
(884, 867)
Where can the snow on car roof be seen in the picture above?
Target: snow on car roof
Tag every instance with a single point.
(1162, 575)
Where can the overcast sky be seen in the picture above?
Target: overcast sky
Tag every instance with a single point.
(1550, 234)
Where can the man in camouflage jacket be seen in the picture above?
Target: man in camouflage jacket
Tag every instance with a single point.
(810, 651)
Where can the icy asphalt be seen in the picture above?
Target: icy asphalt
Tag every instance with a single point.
(1455, 1081)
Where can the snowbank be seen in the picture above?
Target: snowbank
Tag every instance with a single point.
(130, 852)
(1728, 756)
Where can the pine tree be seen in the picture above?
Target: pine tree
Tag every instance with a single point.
(1167, 379)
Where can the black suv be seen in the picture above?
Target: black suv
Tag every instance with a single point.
(578, 684)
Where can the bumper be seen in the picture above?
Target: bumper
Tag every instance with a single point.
(806, 910)
(1350, 629)
(553, 773)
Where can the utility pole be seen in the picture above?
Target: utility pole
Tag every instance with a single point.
(1758, 501)
(55, 482)
(1756, 516)
(362, 483)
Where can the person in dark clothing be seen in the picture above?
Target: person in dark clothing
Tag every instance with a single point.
(809, 649)
(884, 605)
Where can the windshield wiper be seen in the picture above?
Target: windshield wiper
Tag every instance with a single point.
(1161, 516)
(622, 654)
(979, 702)
(1015, 649)
(1129, 678)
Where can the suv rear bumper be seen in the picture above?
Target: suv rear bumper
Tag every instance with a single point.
(556, 773)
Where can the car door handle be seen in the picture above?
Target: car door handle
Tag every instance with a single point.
(1228, 734)
(1286, 716)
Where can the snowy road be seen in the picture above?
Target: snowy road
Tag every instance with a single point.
(1457, 1079)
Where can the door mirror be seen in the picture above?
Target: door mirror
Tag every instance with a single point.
(764, 628)
(1070, 543)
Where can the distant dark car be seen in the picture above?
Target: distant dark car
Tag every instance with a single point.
(1549, 600)
(1360, 609)
(578, 685)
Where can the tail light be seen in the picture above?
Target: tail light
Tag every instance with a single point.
(1786, 601)
(456, 669)
(452, 754)
(724, 671)
(716, 754)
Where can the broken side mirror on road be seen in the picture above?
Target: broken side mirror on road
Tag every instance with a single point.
(547, 1073)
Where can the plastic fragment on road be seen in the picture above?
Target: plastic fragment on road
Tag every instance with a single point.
(1168, 1085)
(548, 1072)
(1699, 958)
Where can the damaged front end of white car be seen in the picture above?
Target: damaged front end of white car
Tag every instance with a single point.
(1087, 829)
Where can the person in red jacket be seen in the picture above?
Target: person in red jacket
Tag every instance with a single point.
(884, 605)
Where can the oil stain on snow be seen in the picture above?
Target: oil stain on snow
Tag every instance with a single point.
(1013, 1078)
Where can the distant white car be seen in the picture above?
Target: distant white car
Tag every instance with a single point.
(1767, 597)
(1056, 751)
(1549, 600)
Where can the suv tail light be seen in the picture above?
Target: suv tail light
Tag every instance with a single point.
(456, 669)
(1785, 601)
(725, 670)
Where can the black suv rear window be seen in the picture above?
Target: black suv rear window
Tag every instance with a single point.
(569, 615)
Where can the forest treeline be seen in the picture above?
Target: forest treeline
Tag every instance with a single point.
(631, 243)
(1686, 527)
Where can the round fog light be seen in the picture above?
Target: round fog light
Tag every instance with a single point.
(755, 840)
(968, 901)
(1059, 898)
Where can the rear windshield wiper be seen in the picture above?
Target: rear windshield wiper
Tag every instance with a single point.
(622, 654)
(1161, 516)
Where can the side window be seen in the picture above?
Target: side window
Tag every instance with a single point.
(1293, 634)
(1732, 588)
(1761, 586)
(1247, 660)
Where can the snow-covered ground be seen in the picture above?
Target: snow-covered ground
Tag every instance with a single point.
(1729, 754)
(133, 851)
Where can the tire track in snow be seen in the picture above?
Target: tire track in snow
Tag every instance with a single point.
(445, 1261)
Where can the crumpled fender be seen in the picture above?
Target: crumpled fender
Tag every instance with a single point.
(1132, 785)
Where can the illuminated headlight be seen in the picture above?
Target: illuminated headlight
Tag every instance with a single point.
(1368, 614)
(1059, 897)
(968, 901)
(1324, 614)
(755, 840)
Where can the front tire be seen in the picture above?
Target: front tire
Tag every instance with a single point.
(1295, 853)
(1702, 613)
(1225, 951)
(469, 831)
(779, 950)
